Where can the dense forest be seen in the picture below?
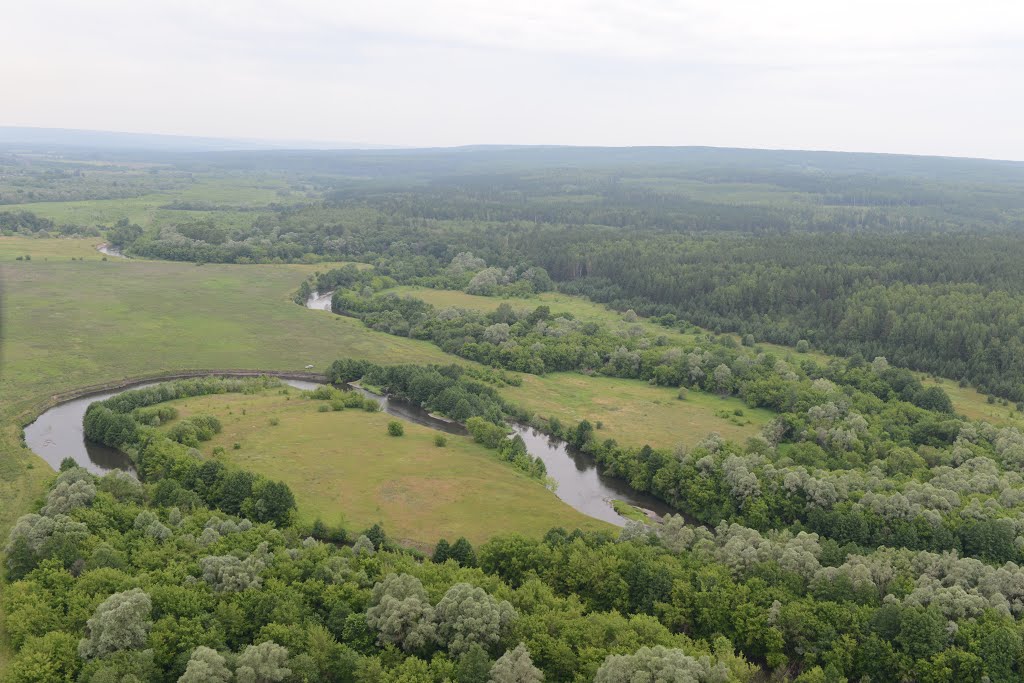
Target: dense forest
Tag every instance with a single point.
(868, 532)
(199, 572)
(911, 258)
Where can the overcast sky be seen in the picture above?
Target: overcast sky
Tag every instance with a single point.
(917, 76)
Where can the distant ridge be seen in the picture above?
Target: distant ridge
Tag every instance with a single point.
(17, 138)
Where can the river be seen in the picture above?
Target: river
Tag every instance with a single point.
(580, 482)
(58, 433)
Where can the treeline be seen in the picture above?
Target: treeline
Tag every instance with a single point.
(910, 259)
(108, 582)
(28, 223)
(948, 310)
(459, 392)
(536, 341)
(179, 477)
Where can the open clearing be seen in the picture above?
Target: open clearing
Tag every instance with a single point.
(44, 249)
(580, 308)
(345, 468)
(68, 324)
(635, 413)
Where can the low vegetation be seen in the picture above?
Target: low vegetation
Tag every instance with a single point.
(344, 469)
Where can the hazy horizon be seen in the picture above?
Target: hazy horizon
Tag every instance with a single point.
(936, 79)
(270, 145)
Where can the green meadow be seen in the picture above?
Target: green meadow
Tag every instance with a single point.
(636, 413)
(345, 469)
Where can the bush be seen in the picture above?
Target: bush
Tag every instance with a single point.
(803, 346)
(395, 428)
(274, 421)
(440, 440)
(237, 446)
(323, 409)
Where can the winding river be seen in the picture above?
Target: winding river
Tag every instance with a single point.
(580, 481)
(58, 434)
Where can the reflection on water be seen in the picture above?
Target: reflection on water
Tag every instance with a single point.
(58, 434)
(580, 482)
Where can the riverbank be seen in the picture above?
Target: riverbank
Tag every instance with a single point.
(57, 433)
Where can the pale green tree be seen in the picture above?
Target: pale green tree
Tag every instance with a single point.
(263, 663)
(206, 665)
(467, 614)
(659, 664)
(516, 666)
(401, 614)
(121, 622)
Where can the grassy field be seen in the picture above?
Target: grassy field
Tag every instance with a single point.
(344, 468)
(66, 324)
(45, 249)
(632, 412)
(636, 413)
(248, 190)
(580, 308)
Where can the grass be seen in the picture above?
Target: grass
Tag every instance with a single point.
(583, 309)
(68, 324)
(636, 413)
(250, 190)
(44, 249)
(345, 467)
(632, 412)
(974, 405)
(631, 512)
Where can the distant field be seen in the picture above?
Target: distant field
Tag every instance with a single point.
(635, 413)
(632, 412)
(40, 250)
(345, 468)
(252, 191)
(68, 324)
(582, 309)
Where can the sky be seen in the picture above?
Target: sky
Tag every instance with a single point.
(904, 76)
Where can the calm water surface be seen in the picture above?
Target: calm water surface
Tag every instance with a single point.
(58, 434)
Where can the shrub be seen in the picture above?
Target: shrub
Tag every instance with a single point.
(323, 409)
(395, 428)
(440, 441)
(274, 421)
(803, 346)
